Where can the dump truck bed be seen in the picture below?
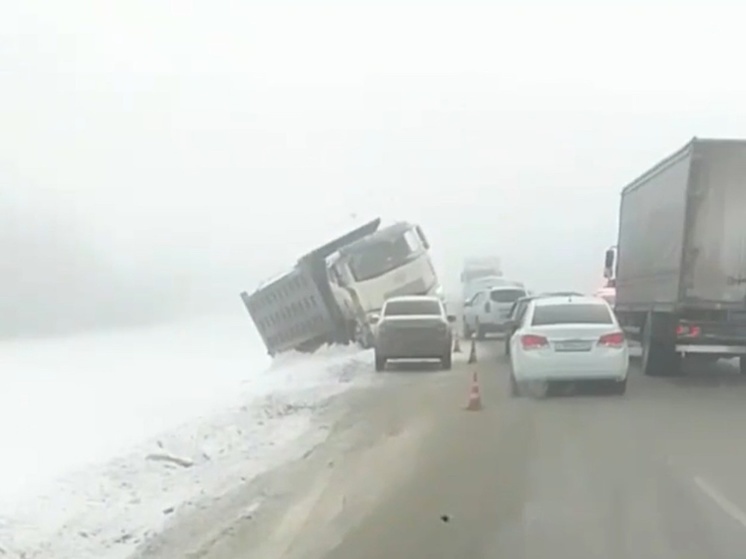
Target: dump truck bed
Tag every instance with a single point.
(290, 312)
(297, 310)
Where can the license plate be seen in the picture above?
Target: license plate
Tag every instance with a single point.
(573, 346)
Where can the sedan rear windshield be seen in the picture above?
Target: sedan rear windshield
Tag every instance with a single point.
(507, 295)
(545, 315)
(407, 308)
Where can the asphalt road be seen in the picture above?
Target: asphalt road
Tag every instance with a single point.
(407, 472)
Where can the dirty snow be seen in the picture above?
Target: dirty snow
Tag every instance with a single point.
(106, 437)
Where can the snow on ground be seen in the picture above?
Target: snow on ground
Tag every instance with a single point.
(106, 436)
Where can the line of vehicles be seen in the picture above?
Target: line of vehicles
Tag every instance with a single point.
(676, 276)
(676, 279)
(550, 338)
(419, 327)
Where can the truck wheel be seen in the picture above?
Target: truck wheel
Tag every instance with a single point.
(446, 362)
(380, 363)
(659, 357)
(481, 332)
(363, 336)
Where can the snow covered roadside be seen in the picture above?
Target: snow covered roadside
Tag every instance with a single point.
(105, 511)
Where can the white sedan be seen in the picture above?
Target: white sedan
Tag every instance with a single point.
(568, 338)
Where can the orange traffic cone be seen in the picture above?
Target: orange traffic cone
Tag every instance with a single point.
(473, 351)
(475, 398)
(456, 344)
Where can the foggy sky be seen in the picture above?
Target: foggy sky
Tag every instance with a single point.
(159, 157)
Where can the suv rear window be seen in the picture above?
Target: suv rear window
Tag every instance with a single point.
(408, 308)
(545, 315)
(506, 295)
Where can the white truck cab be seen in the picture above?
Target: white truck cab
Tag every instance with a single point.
(393, 261)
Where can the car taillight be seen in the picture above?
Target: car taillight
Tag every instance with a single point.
(612, 340)
(688, 330)
(530, 341)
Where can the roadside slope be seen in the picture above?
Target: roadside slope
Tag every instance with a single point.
(306, 508)
(406, 472)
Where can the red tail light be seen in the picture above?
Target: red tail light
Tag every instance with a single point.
(688, 330)
(530, 341)
(612, 340)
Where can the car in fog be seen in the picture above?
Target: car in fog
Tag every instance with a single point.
(413, 327)
(568, 338)
(519, 308)
(487, 312)
(474, 286)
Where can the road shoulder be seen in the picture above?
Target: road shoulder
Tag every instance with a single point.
(303, 508)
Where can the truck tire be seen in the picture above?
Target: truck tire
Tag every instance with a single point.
(659, 357)
(380, 363)
(446, 362)
(481, 332)
(363, 336)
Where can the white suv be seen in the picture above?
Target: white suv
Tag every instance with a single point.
(489, 310)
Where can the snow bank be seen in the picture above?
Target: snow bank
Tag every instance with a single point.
(105, 396)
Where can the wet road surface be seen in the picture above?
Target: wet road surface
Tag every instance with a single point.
(407, 472)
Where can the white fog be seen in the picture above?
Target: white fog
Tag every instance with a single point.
(157, 158)
(162, 158)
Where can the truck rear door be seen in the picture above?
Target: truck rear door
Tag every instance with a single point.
(715, 248)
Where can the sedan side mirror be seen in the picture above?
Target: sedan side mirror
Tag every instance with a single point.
(451, 318)
(467, 303)
(374, 318)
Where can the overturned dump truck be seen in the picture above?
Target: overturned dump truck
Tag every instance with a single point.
(332, 293)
